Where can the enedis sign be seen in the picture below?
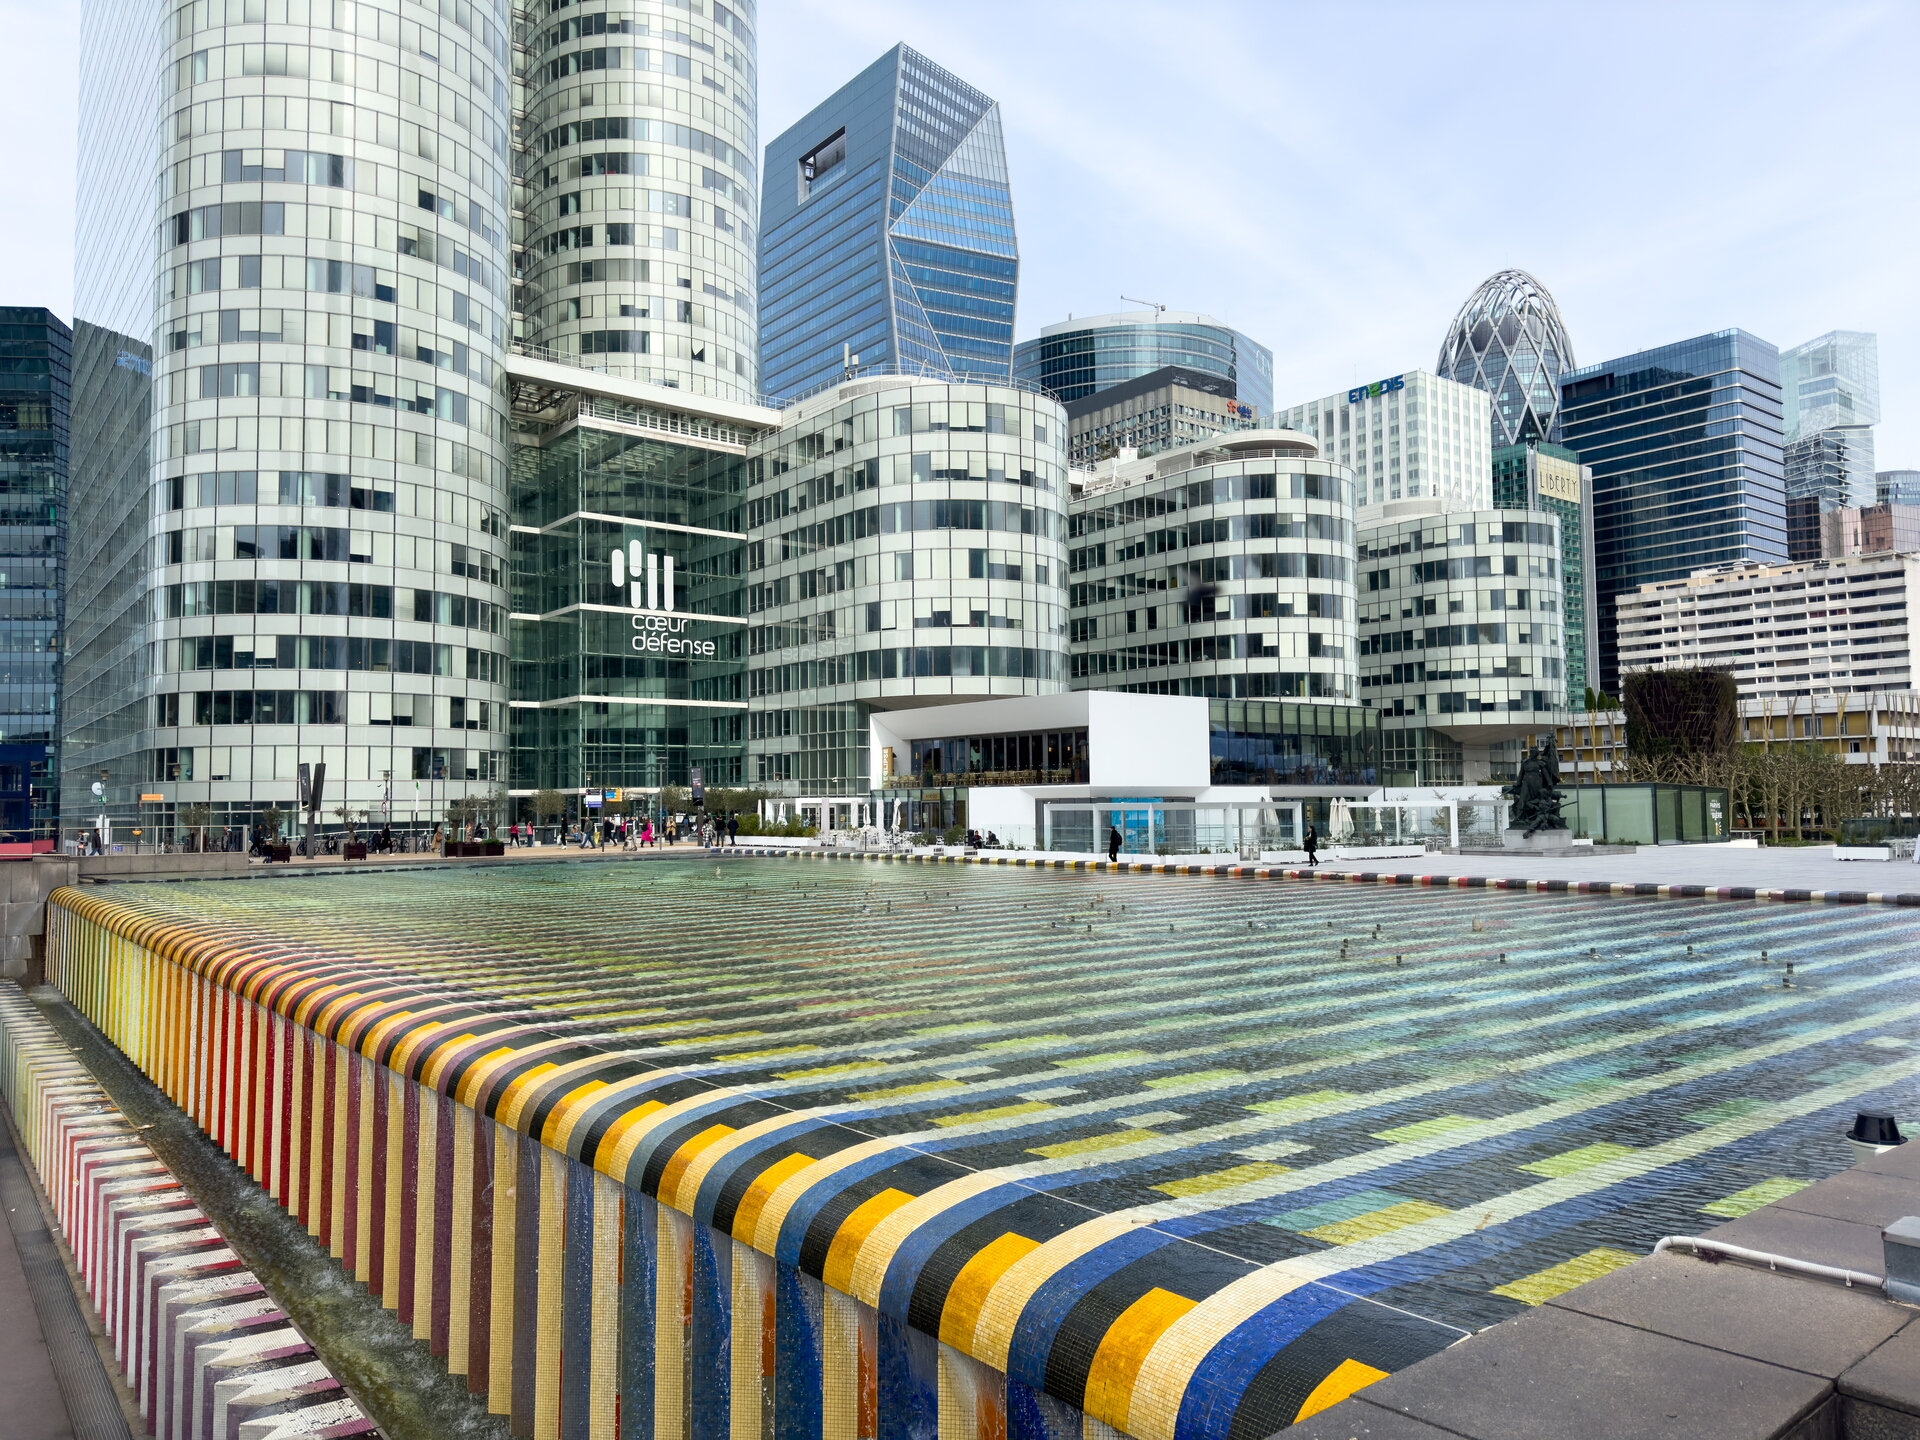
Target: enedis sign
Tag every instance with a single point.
(661, 632)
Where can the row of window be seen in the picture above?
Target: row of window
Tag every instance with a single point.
(321, 707)
(326, 597)
(661, 132)
(1226, 530)
(1258, 684)
(907, 663)
(294, 487)
(330, 652)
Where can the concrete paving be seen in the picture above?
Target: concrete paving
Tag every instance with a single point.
(1679, 1346)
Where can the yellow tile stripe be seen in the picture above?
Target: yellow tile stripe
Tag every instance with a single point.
(837, 1269)
(1116, 1363)
(1544, 1285)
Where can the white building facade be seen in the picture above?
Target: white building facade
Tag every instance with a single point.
(1408, 436)
(1825, 627)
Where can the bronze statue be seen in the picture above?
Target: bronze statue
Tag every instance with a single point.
(1536, 792)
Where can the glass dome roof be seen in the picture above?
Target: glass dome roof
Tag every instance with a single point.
(1510, 341)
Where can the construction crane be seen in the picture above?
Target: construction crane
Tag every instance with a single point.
(1158, 310)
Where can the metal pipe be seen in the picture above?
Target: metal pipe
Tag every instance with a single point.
(1775, 1262)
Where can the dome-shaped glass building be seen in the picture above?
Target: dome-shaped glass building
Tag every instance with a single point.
(1510, 341)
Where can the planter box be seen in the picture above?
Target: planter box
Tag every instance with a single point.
(494, 847)
(353, 852)
(1862, 852)
(282, 853)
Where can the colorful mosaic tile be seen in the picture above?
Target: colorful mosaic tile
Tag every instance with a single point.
(1544, 1285)
(1745, 1202)
(768, 1150)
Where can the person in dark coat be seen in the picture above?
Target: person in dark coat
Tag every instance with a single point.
(1312, 844)
(1113, 843)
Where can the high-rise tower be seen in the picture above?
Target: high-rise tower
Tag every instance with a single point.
(640, 189)
(294, 246)
(888, 233)
(1509, 341)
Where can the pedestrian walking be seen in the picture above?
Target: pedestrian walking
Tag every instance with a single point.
(1312, 844)
(733, 828)
(1113, 844)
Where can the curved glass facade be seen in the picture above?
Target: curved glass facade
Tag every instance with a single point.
(1078, 358)
(906, 544)
(1231, 577)
(639, 183)
(321, 524)
(1509, 341)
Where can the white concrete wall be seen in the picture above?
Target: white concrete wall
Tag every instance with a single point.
(1147, 743)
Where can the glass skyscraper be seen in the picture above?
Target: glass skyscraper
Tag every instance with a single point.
(36, 359)
(1077, 358)
(1510, 341)
(887, 233)
(1896, 487)
(1684, 443)
(1830, 402)
(640, 189)
(1831, 380)
(298, 553)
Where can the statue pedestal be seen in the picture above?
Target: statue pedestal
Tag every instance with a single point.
(1541, 842)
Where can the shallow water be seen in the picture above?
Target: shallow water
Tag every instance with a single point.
(1250, 1057)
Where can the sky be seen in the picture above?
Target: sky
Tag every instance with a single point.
(1336, 179)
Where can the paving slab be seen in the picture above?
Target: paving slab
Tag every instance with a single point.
(1809, 1325)
(1559, 1375)
(1889, 1377)
(1902, 1160)
(1819, 1238)
(1356, 1419)
(1861, 1196)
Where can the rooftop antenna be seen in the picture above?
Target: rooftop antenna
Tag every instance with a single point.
(1158, 310)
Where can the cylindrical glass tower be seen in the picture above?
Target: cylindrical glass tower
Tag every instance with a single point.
(640, 190)
(324, 508)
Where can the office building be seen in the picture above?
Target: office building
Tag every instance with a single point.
(1510, 341)
(1869, 530)
(887, 233)
(1225, 570)
(1163, 409)
(639, 185)
(1828, 381)
(1823, 627)
(1461, 638)
(1550, 478)
(1829, 404)
(313, 554)
(1684, 443)
(1896, 487)
(629, 581)
(1409, 436)
(1173, 774)
(36, 364)
(905, 546)
(1826, 470)
(1074, 359)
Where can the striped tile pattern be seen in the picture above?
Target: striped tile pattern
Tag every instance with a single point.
(691, 1150)
(197, 1337)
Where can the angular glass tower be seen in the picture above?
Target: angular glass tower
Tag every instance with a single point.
(1832, 380)
(1509, 341)
(1684, 444)
(36, 362)
(887, 232)
(1077, 358)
